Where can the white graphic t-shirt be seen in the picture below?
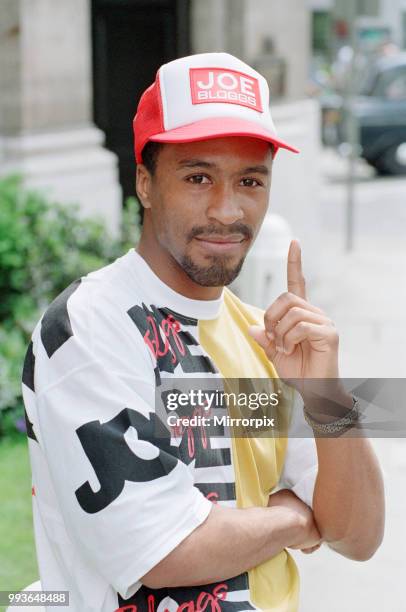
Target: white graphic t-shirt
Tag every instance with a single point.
(110, 500)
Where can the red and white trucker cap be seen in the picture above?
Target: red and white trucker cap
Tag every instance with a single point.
(203, 96)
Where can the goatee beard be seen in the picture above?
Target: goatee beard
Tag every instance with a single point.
(216, 275)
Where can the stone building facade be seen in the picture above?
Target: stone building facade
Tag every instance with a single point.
(71, 74)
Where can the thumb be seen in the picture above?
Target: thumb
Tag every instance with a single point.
(258, 333)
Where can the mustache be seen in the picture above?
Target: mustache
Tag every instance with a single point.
(223, 232)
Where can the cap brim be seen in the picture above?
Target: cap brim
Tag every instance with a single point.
(219, 127)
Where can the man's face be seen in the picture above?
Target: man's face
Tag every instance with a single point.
(205, 204)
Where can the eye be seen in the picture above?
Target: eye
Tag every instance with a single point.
(198, 179)
(250, 182)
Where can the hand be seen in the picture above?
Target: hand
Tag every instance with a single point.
(299, 339)
(309, 539)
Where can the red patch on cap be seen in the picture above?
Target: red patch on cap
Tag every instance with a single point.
(226, 86)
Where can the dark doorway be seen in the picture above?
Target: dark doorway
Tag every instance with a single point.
(131, 39)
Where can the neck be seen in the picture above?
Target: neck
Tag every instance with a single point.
(171, 273)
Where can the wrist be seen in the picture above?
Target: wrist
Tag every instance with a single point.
(287, 527)
(324, 426)
(328, 407)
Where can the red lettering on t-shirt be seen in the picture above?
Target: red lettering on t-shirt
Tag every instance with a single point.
(153, 338)
(205, 601)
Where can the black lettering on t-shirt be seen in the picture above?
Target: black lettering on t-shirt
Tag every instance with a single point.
(56, 327)
(114, 462)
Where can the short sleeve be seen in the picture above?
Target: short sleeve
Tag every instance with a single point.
(301, 465)
(125, 496)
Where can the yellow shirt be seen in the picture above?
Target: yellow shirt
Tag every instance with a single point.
(258, 462)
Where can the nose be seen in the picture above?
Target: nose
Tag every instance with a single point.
(224, 206)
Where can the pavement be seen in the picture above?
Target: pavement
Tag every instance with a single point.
(364, 292)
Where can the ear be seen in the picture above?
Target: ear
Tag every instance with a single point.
(143, 185)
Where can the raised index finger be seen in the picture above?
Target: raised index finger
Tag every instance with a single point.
(296, 281)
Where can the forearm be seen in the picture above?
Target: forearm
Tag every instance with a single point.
(348, 502)
(229, 542)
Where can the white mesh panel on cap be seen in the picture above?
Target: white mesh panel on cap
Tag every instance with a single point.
(178, 109)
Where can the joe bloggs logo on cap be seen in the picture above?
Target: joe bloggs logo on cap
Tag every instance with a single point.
(221, 85)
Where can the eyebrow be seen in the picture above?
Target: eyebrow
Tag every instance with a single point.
(256, 170)
(194, 163)
(200, 163)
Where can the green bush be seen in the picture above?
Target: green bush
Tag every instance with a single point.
(44, 246)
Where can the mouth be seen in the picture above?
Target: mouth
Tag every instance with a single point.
(221, 244)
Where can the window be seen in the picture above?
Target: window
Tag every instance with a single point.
(391, 84)
(321, 31)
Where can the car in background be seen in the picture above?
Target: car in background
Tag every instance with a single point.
(380, 112)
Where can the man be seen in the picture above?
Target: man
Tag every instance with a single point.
(132, 520)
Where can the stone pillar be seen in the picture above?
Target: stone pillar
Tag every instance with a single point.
(208, 20)
(218, 25)
(288, 25)
(46, 132)
(235, 27)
